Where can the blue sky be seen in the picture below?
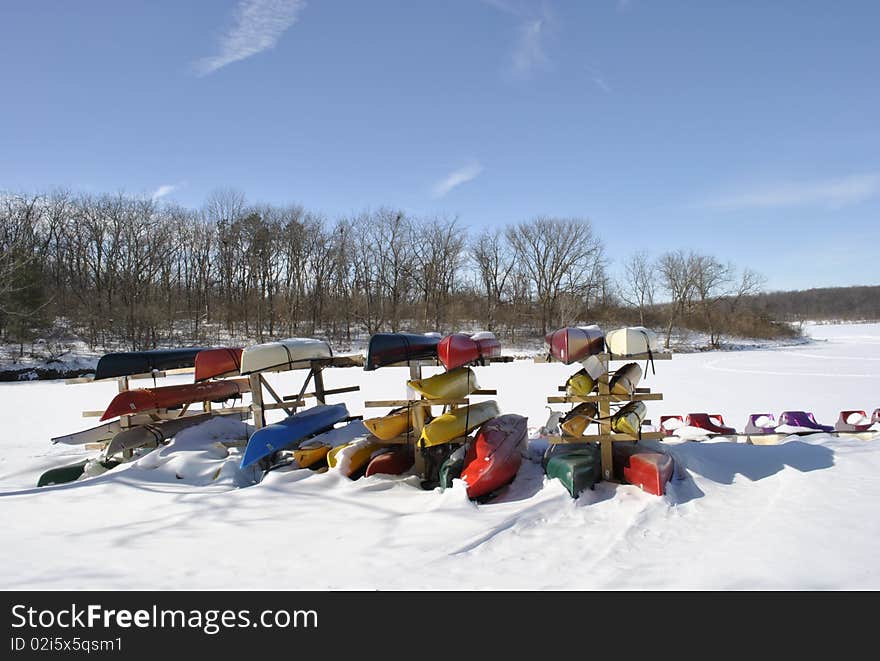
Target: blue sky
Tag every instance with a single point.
(747, 129)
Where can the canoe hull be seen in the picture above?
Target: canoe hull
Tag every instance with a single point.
(213, 363)
(628, 420)
(573, 344)
(632, 341)
(97, 434)
(577, 420)
(159, 432)
(459, 349)
(455, 384)
(70, 473)
(350, 458)
(396, 423)
(455, 424)
(307, 456)
(389, 348)
(288, 354)
(394, 462)
(141, 362)
(578, 466)
(291, 431)
(650, 471)
(580, 384)
(494, 457)
(168, 397)
(625, 380)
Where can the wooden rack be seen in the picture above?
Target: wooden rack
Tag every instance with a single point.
(420, 407)
(604, 398)
(290, 403)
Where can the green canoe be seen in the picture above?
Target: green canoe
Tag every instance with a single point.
(69, 473)
(577, 465)
(453, 466)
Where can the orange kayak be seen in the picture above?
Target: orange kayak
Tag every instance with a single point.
(211, 363)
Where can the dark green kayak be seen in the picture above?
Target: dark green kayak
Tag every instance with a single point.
(452, 467)
(70, 473)
(577, 465)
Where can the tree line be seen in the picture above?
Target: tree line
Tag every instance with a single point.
(134, 272)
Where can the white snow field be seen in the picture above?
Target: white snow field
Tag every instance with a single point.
(804, 514)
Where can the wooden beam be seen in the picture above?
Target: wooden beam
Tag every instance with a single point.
(257, 399)
(274, 407)
(394, 403)
(320, 395)
(331, 391)
(483, 391)
(636, 397)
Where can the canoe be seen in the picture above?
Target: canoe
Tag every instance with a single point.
(632, 341)
(572, 344)
(394, 462)
(159, 432)
(455, 384)
(291, 431)
(141, 362)
(711, 423)
(311, 453)
(127, 363)
(625, 380)
(460, 349)
(802, 419)
(71, 472)
(211, 363)
(580, 384)
(169, 397)
(396, 423)
(576, 421)
(577, 465)
(457, 423)
(435, 457)
(628, 420)
(648, 470)
(451, 468)
(389, 348)
(348, 459)
(97, 434)
(494, 457)
(288, 354)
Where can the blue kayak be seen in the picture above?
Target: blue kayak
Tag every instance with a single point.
(290, 431)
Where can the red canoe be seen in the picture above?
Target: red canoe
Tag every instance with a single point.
(167, 397)
(212, 363)
(459, 349)
(650, 471)
(394, 462)
(494, 457)
(572, 344)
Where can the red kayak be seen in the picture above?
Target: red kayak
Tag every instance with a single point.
(394, 462)
(494, 457)
(573, 344)
(459, 349)
(168, 397)
(212, 363)
(650, 471)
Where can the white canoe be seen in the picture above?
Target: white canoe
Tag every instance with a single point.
(632, 341)
(288, 354)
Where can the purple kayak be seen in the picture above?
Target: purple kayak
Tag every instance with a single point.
(768, 427)
(802, 419)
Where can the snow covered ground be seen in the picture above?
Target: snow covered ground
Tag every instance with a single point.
(801, 515)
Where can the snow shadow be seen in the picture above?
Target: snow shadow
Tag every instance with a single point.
(722, 462)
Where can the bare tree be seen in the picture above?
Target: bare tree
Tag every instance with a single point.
(639, 283)
(676, 272)
(493, 256)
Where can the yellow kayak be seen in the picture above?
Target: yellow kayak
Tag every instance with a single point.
(580, 384)
(625, 380)
(628, 420)
(310, 453)
(458, 423)
(396, 423)
(453, 384)
(351, 457)
(579, 418)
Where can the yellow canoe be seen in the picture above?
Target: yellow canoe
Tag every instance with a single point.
(351, 457)
(628, 420)
(625, 380)
(580, 384)
(396, 423)
(310, 453)
(453, 384)
(458, 423)
(579, 418)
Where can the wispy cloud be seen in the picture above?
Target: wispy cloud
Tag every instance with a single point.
(535, 26)
(599, 79)
(163, 190)
(456, 178)
(259, 25)
(832, 193)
